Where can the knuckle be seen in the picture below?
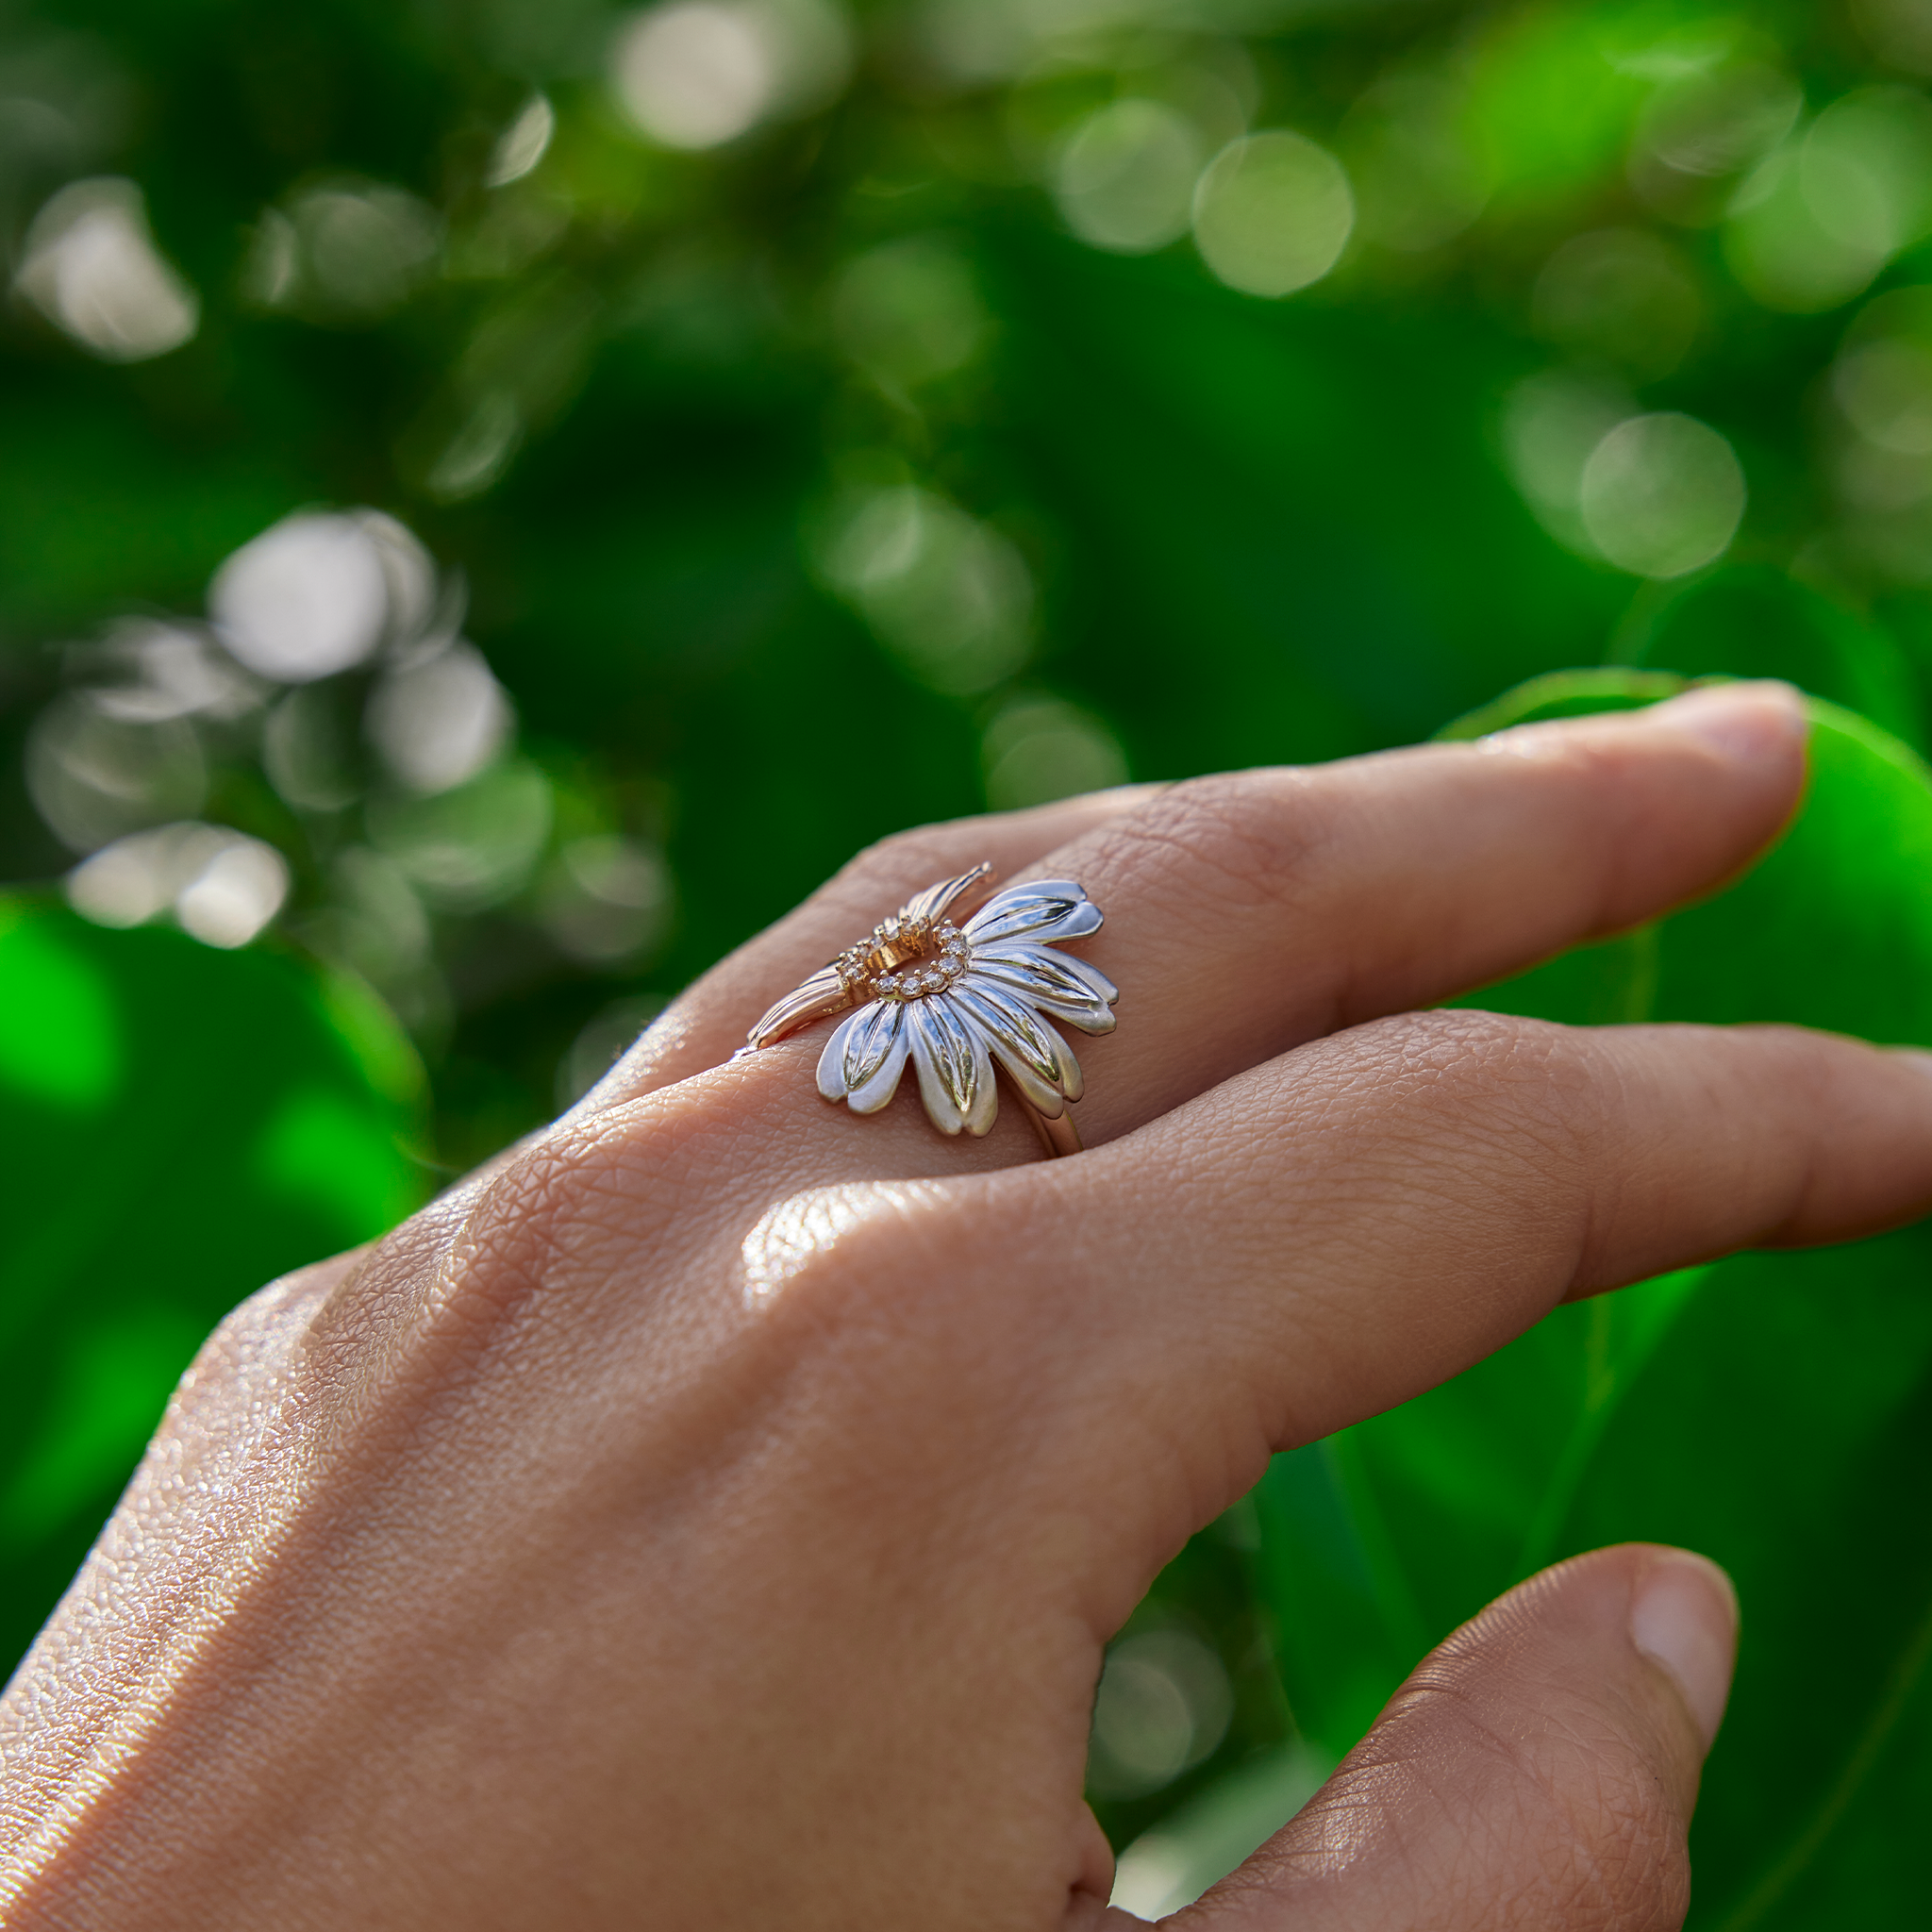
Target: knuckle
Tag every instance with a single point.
(1476, 1118)
(262, 1323)
(1609, 1844)
(1562, 1823)
(1237, 838)
(898, 863)
(254, 1341)
(1528, 1085)
(833, 1257)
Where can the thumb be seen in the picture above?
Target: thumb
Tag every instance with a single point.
(1538, 1769)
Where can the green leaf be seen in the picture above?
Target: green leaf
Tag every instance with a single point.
(1751, 621)
(1774, 1409)
(178, 1126)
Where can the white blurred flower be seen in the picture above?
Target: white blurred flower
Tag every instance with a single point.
(410, 576)
(1622, 293)
(373, 921)
(91, 266)
(307, 750)
(222, 885)
(1552, 422)
(319, 592)
(167, 671)
(1817, 221)
(479, 452)
(1885, 389)
(1698, 132)
(1164, 1706)
(1416, 161)
(970, 42)
(909, 311)
(1662, 495)
(95, 776)
(471, 846)
(696, 73)
(521, 144)
(439, 720)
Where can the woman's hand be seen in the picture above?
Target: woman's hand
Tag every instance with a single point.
(713, 1516)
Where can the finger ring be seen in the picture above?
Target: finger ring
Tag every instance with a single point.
(959, 1000)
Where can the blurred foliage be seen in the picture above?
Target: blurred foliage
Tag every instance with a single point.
(174, 1121)
(498, 500)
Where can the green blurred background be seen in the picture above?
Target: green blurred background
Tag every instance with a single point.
(498, 500)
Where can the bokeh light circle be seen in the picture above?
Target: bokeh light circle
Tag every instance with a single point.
(695, 75)
(1662, 495)
(1273, 213)
(306, 599)
(1125, 179)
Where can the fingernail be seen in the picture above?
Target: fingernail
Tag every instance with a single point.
(1747, 723)
(1685, 1617)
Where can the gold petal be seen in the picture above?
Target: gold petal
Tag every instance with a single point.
(823, 993)
(937, 901)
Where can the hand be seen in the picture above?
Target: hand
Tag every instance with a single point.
(713, 1516)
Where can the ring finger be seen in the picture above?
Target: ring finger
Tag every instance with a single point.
(1249, 913)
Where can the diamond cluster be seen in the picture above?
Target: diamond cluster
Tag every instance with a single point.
(904, 959)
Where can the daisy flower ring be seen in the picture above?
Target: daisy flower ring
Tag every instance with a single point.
(964, 1001)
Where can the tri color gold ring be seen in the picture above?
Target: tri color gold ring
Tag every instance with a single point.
(960, 1000)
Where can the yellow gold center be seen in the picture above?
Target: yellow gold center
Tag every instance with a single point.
(904, 961)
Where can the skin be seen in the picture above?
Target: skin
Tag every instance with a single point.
(712, 1515)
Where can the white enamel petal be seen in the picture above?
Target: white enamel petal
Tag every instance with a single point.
(1027, 1045)
(1040, 909)
(956, 1079)
(832, 1061)
(1057, 983)
(863, 1060)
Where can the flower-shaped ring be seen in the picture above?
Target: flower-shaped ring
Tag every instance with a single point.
(958, 1001)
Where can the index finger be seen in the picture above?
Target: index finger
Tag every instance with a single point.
(1343, 1229)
